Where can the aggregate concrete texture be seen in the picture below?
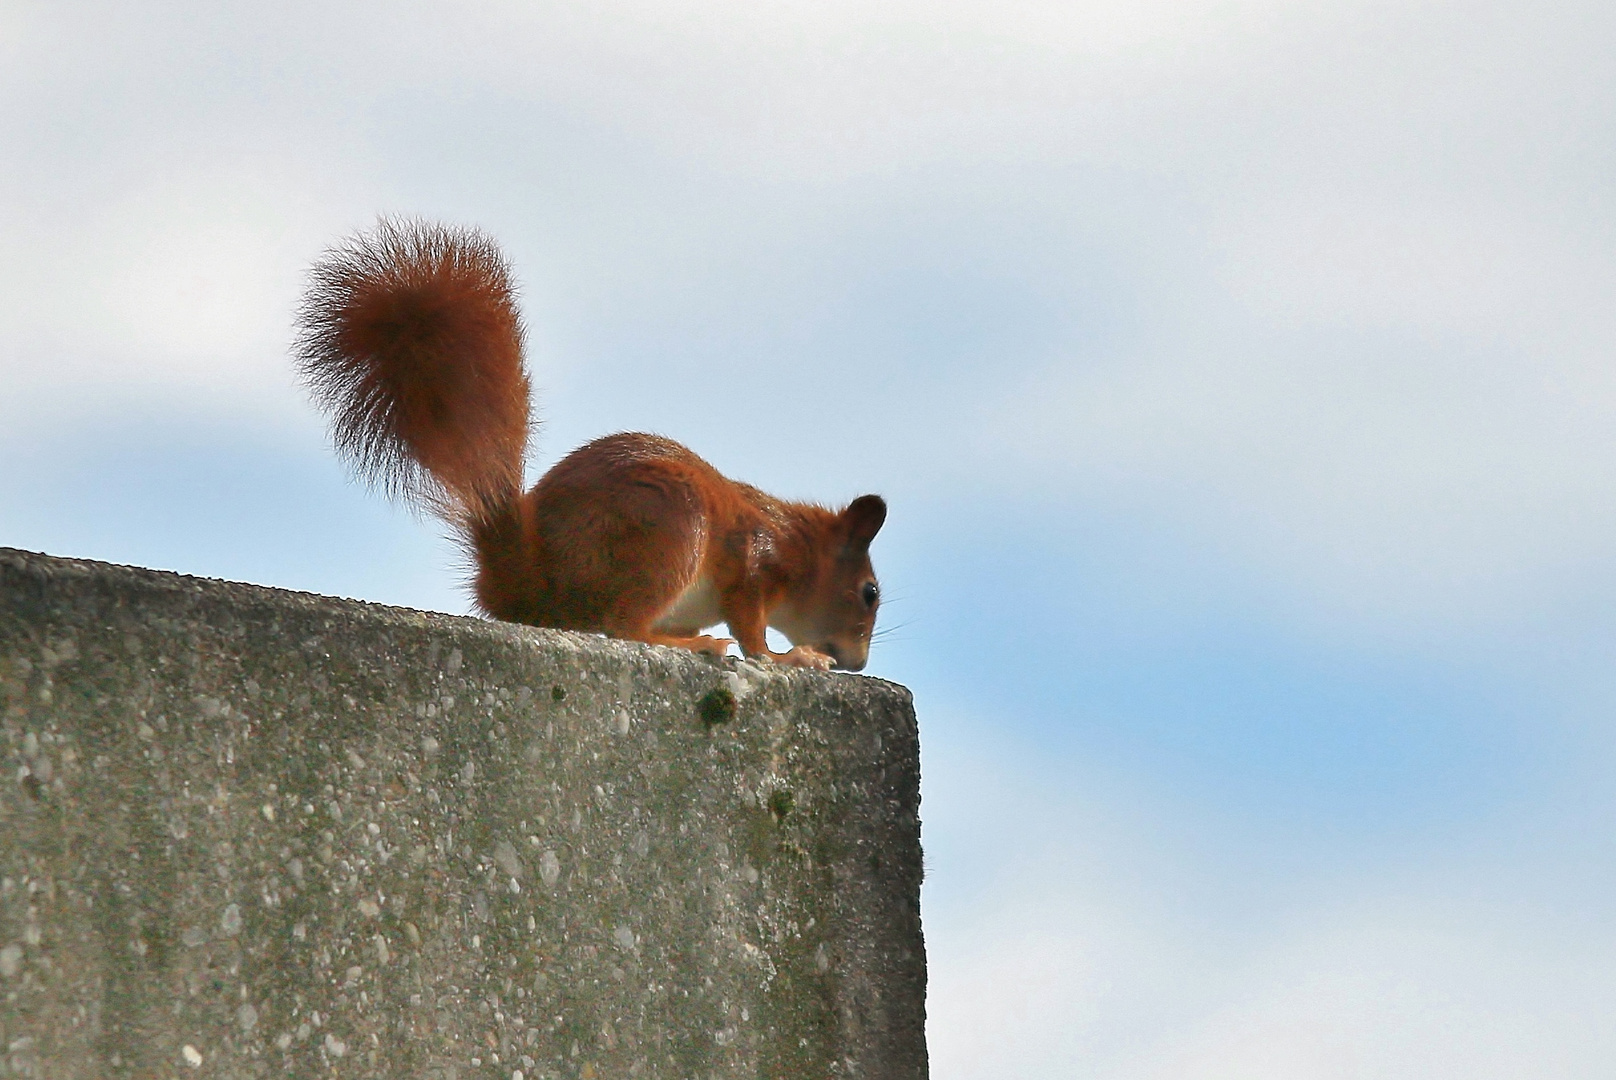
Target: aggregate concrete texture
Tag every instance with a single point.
(247, 832)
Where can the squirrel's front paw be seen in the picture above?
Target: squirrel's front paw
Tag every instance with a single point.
(803, 656)
(711, 646)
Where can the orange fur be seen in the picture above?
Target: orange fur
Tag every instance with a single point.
(411, 341)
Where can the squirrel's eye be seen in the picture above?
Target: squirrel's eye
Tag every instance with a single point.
(872, 593)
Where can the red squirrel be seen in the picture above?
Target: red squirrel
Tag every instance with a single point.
(410, 340)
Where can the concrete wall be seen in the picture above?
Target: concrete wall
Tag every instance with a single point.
(248, 833)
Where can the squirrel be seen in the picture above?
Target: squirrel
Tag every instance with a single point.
(410, 340)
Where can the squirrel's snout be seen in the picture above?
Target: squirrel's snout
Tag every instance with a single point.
(841, 662)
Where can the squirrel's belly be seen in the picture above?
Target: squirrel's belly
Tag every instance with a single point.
(695, 609)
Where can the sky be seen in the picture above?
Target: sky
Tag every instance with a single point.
(1238, 373)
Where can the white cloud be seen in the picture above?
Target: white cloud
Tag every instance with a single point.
(1068, 935)
(1424, 991)
(1379, 365)
(1379, 475)
(178, 289)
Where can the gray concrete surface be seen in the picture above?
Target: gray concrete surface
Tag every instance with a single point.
(247, 832)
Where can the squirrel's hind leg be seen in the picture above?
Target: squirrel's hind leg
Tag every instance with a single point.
(620, 552)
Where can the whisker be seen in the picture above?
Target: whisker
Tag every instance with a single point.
(890, 633)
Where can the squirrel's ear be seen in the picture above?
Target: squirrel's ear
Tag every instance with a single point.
(863, 519)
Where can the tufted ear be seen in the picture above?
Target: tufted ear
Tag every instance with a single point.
(863, 519)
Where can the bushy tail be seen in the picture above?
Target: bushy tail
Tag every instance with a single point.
(410, 340)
